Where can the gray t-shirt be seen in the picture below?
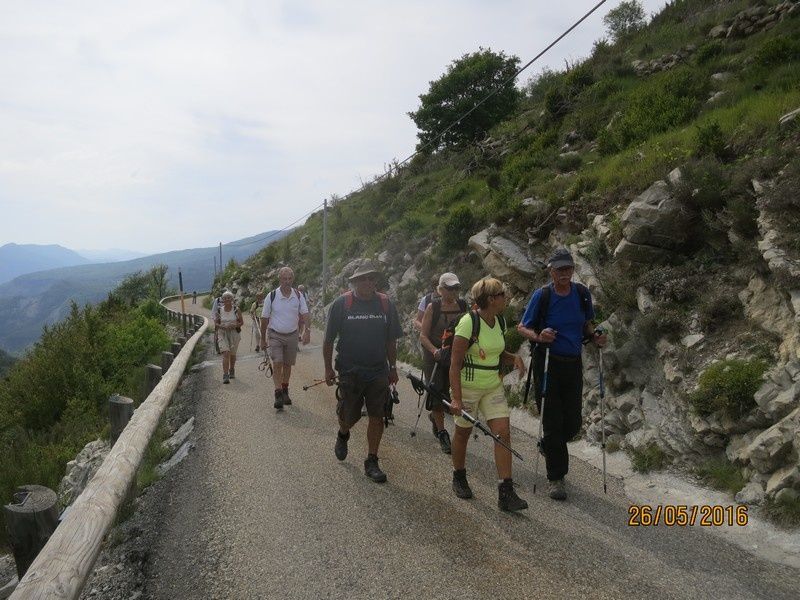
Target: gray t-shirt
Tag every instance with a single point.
(362, 333)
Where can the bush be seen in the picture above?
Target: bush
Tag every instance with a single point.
(709, 139)
(651, 458)
(458, 227)
(513, 339)
(729, 386)
(722, 475)
(625, 19)
(707, 52)
(778, 51)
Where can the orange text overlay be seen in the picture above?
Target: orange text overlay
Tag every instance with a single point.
(682, 515)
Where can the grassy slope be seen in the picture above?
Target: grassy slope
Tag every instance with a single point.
(411, 210)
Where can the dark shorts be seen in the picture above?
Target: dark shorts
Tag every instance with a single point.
(354, 393)
(437, 377)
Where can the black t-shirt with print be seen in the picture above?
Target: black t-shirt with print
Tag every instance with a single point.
(362, 333)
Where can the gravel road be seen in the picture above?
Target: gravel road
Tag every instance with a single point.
(262, 509)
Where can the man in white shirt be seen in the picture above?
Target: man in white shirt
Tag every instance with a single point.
(285, 312)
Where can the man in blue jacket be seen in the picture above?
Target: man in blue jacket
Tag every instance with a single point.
(560, 316)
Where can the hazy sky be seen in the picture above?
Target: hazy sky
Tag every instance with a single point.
(161, 125)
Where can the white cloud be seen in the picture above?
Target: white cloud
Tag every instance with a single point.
(120, 121)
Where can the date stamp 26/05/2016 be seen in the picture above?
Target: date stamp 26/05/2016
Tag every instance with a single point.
(684, 515)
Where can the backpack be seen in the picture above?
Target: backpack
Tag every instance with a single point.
(437, 309)
(272, 295)
(273, 292)
(544, 304)
(449, 334)
(236, 311)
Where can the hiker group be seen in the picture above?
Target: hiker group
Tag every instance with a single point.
(464, 359)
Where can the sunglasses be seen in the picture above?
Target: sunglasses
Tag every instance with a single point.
(565, 269)
(452, 287)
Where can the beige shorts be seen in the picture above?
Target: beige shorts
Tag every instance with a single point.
(491, 404)
(282, 347)
(228, 340)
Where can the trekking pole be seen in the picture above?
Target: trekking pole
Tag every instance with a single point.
(421, 387)
(528, 383)
(422, 404)
(541, 417)
(603, 418)
(252, 326)
(319, 382)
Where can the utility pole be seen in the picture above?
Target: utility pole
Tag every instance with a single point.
(215, 266)
(324, 248)
(220, 257)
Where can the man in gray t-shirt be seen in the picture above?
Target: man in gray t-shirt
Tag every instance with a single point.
(367, 327)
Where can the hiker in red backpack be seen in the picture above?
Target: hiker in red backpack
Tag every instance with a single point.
(559, 317)
(367, 327)
(285, 311)
(476, 385)
(441, 313)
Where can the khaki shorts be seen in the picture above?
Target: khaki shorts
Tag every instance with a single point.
(282, 347)
(490, 403)
(228, 340)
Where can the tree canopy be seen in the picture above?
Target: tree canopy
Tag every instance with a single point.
(467, 81)
(624, 19)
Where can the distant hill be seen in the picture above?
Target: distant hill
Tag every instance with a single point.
(6, 360)
(36, 299)
(19, 259)
(110, 255)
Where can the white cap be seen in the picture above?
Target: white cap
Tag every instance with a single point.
(448, 280)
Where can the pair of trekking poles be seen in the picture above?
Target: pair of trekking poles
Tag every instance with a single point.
(539, 445)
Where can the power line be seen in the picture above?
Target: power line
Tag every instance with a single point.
(448, 128)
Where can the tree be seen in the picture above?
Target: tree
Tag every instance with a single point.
(467, 81)
(158, 281)
(625, 19)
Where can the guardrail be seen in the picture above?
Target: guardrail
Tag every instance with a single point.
(66, 561)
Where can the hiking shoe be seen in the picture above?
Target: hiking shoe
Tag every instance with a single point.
(226, 378)
(233, 374)
(372, 470)
(286, 400)
(340, 450)
(558, 490)
(507, 498)
(460, 485)
(278, 400)
(444, 441)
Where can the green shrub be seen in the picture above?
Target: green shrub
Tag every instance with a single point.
(708, 51)
(743, 215)
(721, 474)
(513, 339)
(568, 162)
(651, 458)
(729, 386)
(671, 99)
(709, 139)
(458, 227)
(778, 51)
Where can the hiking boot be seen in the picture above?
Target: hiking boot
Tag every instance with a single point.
(444, 441)
(507, 498)
(226, 378)
(340, 450)
(286, 400)
(278, 399)
(460, 485)
(232, 373)
(558, 490)
(372, 470)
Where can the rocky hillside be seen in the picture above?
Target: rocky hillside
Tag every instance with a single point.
(668, 163)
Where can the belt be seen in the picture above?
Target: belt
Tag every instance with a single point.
(281, 332)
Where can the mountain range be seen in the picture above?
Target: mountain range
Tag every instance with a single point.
(36, 299)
